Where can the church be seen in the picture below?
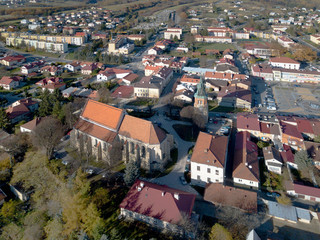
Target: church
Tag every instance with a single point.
(101, 126)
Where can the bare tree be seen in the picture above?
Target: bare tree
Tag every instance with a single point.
(48, 134)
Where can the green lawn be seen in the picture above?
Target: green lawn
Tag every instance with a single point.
(219, 46)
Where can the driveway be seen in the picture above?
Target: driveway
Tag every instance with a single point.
(172, 179)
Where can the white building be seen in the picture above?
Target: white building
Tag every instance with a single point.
(208, 159)
(284, 62)
(272, 159)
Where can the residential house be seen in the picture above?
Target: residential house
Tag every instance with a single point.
(155, 51)
(248, 122)
(9, 83)
(272, 159)
(88, 69)
(51, 83)
(21, 110)
(111, 73)
(184, 95)
(220, 194)
(245, 161)
(315, 38)
(100, 126)
(32, 67)
(209, 159)
(149, 87)
(157, 205)
(150, 70)
(73, 67)
(30, 126)
(290, 135)
(123, 91)
(269, 131)
(51, 70)
(288, 157)
(129, 79)
(11, 61)
(224, 76)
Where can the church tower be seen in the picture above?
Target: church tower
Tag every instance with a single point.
(201, 98)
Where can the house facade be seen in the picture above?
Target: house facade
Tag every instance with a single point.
(208, 159)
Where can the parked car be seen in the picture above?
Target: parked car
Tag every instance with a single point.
(188, 158)
(89, 171)
(183, 181)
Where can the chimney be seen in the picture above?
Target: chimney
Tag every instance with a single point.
(176, 196)
(163, 193)
(250, 166)
(206, 150)
(141, 184)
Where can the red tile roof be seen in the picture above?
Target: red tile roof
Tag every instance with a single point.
(248, 121)
(287, 155)
(123, 92)
(306, 190)
(210, 150)
(270, 128)
(245, 162)
(141, 130)
(7, 80)
(304, 126)
(31, 125)
(290, 129)
(158, 201)
(95, 131)
(283, 60)
(103, 114)
(229, 196)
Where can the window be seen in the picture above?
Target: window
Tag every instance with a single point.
(209, 180)
(95, 142)
(208, 170)
(198, 168)
(198, 177)
(104, 146)
(217, 172)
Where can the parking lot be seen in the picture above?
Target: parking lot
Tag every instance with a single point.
(300, 99)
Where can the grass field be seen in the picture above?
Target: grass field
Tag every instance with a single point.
(219, 46)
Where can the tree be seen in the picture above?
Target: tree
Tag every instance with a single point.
(195, 115)
(262, 144)
(104, 95)
(4, 119)
(219, 232)
(304, 53)
(9, 209)
(131, 173)
(283, 199)
(303, 160)
(16, 145)
(48, 134)
(45, 106)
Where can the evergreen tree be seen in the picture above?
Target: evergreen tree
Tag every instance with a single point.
(45, 106)
(131, 173)
(4, 120)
